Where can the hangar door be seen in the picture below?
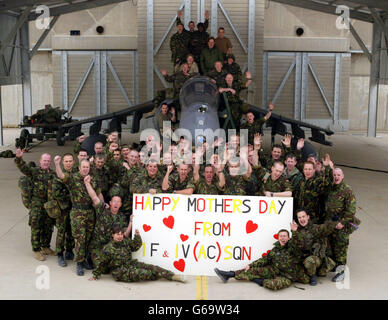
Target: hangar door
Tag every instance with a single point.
(308, 86)
(89, 83)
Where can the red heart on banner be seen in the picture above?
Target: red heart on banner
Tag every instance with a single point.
(276, 236)
(169, 222)
(265, 253)
(184, 237)
(251, 227)
(180, 265)
(146, 227)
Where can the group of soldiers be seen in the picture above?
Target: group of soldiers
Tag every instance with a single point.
(88, 198)
(193, 53)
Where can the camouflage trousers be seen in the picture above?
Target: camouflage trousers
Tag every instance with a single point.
(339, 242)
(82, 225)
(139, 271)
(65, 238)
(272, 279)
(314, 264)
(42, 226)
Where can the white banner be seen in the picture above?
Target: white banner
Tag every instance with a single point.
(192, 235)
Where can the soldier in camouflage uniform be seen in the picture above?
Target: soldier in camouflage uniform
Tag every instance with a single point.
(311, 187)
(178, 79)
(255, 126)
(291, 172)
(232, 90)
(233, 68)
(41, 224)
(217, 74)
(341, 206)
(273, 184)
(106, 218)
(276, 270)
(208, 184)
(167, 115)
(312, 240)
(82, 213)
(65, 240)
(116, 257)
(178, 182)
(237, 177)
(179, 45)
(148, 181)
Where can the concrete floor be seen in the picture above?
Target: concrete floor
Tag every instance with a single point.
(367, 258)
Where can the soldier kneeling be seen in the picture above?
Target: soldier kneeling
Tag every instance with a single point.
(277, 270)
(117, 257)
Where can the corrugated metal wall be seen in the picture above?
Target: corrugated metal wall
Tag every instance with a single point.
(91, 100)
(164, 12)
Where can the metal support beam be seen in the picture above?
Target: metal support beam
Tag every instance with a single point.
(160, 76)
(96, 61)
(374, 81)
(1, 121)
(251, 43)
(43, 37)
(26, 71)
(200, 11)
(214, 19)
(81, 85)
(187, 4)
(337, 87)
(118, 82)
(279, 90)
(297, 92)
(136, 76)
(320, 87)
(303, 97)
(265, 80)
(103, 83)
(226, 14)
(19, 23)
(172, 22)
(360, 42)
(150, 49)
(64, 82)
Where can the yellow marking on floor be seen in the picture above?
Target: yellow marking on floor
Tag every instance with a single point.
(201, 287)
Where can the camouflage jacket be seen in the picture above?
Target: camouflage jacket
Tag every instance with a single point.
(142, 183)
(115, 255)
(201, 187)
(234, 98)
(105, 220)
(78, 193)
(179, 45)
(267, 161)
(341, 205)
(40, 179)
(219, 77)
(175, 182)
(253, 128)
(308, 191)
(102, 177)
(235, 185)
(61, 194)
(279, 185)
(295, 176)
(235, 70)
(178, 79)
(312, 238)
(286, 260)
(209, 57)
(129, 175)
